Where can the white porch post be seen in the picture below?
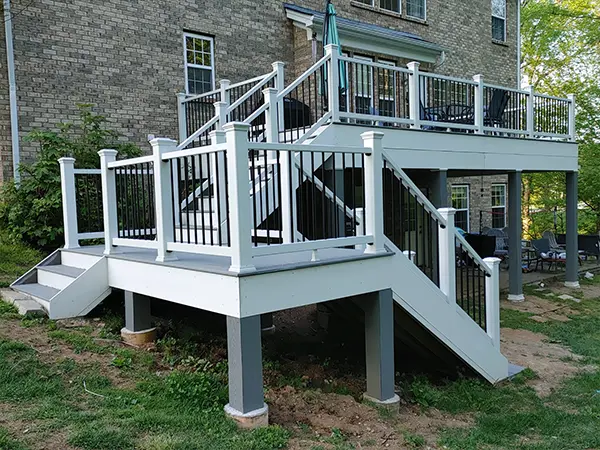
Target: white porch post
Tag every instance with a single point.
(414, 96)
(333, 83)
(109, 199)
(572, 130)
(181, 117)
(374, 190)
(225, 94)
(448, 255)
(163, 197)
(69, 201)
(479, 95)
(221, 113)
(530, 111)
(239, 197)
(492, 300)
(271, 117)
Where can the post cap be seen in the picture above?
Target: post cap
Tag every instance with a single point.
(270, 90)
(330, 48)
(66, 160)
(413, 65)
(492, 260)
(372, 135)
(236, 126)
(278, 64)
(163, 142)
(225, 82)
(108, 152)
(447, 211)
(478, 78)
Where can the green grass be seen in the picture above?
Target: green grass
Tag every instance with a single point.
(15, 259)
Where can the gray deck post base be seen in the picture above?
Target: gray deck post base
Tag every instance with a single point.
(571, 275)
(515, 229)
(379, 340)
(246, 401)
(439, 188)
(137, 312)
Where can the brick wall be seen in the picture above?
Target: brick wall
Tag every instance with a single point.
(5, 145)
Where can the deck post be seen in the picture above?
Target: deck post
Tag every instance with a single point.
(181, 116)
(515, 229)
(244, 355)
(69, 201)
(530, 111)
(572, 130)
(571, 276)
(279, 67)
(239, 198)
(439, 188)
(138, 321)
(379, 347)
(447, 250)
(225, 94)
(221, 113)
(109, 199)
(373, 140)
(414, 96)
(492, 301)
(333, 85)
(479, 96)
(163, 197)
(271, 116)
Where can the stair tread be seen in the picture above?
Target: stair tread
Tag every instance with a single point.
(37, 290)
(71, 272)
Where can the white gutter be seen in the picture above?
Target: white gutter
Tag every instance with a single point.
(518, 44)
(14, 119)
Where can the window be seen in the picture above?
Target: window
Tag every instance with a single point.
(199, 63)
(416, 8)
(499, 20)
(386, 85)
(363, 86)
(498, 205)
(390, 5)
(460, 202)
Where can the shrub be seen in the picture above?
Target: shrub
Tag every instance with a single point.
(32, 211)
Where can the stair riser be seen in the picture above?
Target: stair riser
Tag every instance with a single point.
(78, 260)
(54, 280)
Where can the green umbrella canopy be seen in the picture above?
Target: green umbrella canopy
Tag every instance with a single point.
(331, 36)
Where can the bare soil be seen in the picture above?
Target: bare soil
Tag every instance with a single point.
(543, 307)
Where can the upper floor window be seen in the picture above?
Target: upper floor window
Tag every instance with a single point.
(416, 8)
(499, 20)
(199, 63)
(390, 5)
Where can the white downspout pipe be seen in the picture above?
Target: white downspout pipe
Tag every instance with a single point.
(518, 44)
(14, 119)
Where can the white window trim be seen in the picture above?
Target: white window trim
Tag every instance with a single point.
(424, 18)
(503, 20)
(503, 207)
(376, 4)
(468, 209)
(198, 66)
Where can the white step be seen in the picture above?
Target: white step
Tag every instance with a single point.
(78, 260)
(57, 276)
(42, 294)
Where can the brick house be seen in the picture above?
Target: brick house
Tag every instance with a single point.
(129, 61)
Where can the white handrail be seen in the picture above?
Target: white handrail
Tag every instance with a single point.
(374, 64)
(472, 253)
(251, 92)
(251, 80)
(313, 148)
(256, 113)
(281, 95)
(130, 162)
(447, 78)
(199, 96)
(551, 97)
(195, 151)
(503, 88)
(198, 132)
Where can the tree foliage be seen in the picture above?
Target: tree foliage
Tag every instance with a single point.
(32, 212)
(560, 55)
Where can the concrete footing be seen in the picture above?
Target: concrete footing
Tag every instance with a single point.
(516, 298)
(572, 284)
(138, 337)
(258, 418)
(391, 405)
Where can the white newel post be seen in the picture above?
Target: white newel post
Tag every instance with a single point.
(181, 117)
(374, 190)
(239, 197)
(448, 255)
(333, 81)
(109, 199)
(492, 301)
(530, 111)
(218, 176)
(479, 96)
(271, 117)
(225, 97)
(163, 191)
(572, 131)
(221, 113)
(279, 67)
(69, 201)
(414, 96)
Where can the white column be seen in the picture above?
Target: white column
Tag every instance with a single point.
(279, 67)
(163, 197)
(221, 113)
(447, 254)
(492, 301)
(271, 117)
(239, 197)
(69, 201)
(374, 190)
(225, 97)
(572, 129)
(479, 94)
(181, 117)
(414, 95)
(218, 177)
(333, 81)
(109, 199)
(530, 109)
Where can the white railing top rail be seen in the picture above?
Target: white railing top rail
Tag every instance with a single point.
(199, 96)
(551, 97)
(252, 91)
(198, 132)
(472, 253)
(504, 88)
(301, 78)
(294, 247)
(130, 162)
(256, 113)
(447, 78)
(194, 151)
(87, 171)
(249, 81)
(312, 148)
(374, 64)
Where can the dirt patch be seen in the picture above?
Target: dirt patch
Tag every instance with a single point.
(314, 416)
(552, 362)
(544, 309)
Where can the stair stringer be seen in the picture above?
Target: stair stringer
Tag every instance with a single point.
(422, 299)
(83, 294)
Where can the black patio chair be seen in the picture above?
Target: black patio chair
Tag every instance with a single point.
(545, 255)
(494, 113)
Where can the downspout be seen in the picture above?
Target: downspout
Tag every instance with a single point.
(518, 44)
(14, 119)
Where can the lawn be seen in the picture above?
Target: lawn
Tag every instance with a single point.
(15, 259)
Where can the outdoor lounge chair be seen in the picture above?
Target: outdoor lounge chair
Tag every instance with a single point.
(494, 113)
(501, 243)
(554, 246)
(587, 244)
(545, 254)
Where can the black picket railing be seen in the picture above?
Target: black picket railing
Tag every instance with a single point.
(136, 214)
(88, 189)
(504, 108)
(198, 112)
(551, 115)
(470, 285)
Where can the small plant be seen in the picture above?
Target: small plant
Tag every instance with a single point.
(414, 440)
(121, 362)
(200, 389)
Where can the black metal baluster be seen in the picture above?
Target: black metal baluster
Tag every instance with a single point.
(211, 192)
(254, 201)
(202, 208)
(267, 196)
(194, 201)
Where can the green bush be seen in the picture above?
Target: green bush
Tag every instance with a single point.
(32, 211)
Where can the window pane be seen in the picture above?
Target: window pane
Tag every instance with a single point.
(498, 195)
(199, 80)
(415, 8)
(189, 43)
(498, 29)
(499, 8)
(498, 217)
(460, 197)
(461, 220)
(366, 2)
(391, 5)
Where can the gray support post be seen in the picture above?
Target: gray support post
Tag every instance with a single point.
(266, 322)
(379, 339)
(515, 227)
(137, 312)
(571, 276)
(439, 188)
(246, 401)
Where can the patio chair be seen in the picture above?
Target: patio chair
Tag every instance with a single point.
(545, 254)
(554, 246)
(494, 113)
(501, 242)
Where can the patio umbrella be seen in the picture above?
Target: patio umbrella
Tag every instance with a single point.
(331, 36)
